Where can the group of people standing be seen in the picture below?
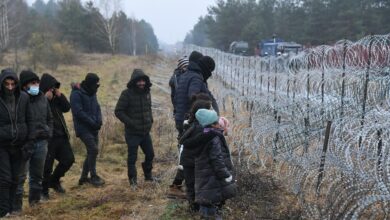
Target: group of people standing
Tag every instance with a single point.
(33, 134)
(205, 162)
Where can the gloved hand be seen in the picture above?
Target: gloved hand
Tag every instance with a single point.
(229, 179)
(27, 150)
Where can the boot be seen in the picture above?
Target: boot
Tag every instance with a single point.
(132, 175)
(45, 193)
(84, 180)
(34, 197)
(17, 203)
(176, 192)
(56, 185)
(147, 172)
(97, 181)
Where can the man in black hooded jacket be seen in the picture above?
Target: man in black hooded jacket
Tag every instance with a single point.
(14, 122)
(87, 121)
(134, 109)
(59, 147)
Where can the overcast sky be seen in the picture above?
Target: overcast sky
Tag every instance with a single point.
(171, 19)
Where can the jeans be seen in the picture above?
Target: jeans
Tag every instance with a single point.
(34, 166)
(145, 142)
(58, 149)
(11, 165)
(91, 142)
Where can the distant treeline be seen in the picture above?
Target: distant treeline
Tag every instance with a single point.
(82, 26)
(309, 22)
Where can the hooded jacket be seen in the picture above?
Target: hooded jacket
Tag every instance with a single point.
(42, 118)
(86, 112)
(58, 106)
(134, 107)
(190, 83)
(14, 132)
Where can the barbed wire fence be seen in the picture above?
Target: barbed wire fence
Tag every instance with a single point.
(321, 118)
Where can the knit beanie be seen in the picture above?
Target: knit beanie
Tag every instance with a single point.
(91, 79)
(206, 117)
(207, 65)
(182, 63)
(195, 56)
(27, 76)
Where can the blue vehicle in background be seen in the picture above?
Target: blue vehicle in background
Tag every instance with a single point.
(277, 47)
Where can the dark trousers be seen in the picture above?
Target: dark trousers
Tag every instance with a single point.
(189, 177)
(58, 149)
(145, 142)
(34, 167)
(91, 142)
(11, 165)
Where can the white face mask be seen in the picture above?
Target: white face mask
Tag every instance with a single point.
(33, 90)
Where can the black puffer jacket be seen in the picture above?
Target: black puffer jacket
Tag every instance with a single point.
(58, 106)
(190, 83)
(134, 107)
(42, 118)
(14, 132)
(212, 165)
(173, 83)
(192, 139)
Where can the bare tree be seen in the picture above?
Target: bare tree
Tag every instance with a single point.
(134, 34)
(107, 20)
(4, 29)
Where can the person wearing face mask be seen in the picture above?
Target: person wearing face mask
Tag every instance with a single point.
(40, 132)
(134, 109)
(87, 120)
(14, 122)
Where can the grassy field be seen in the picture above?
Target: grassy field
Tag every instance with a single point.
(261, 196)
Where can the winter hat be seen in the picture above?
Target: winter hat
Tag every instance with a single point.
(206, 117)
(207, 65)
(195, 56)
(182, 62)
(27, 76)
(91, 79)
(48, 82)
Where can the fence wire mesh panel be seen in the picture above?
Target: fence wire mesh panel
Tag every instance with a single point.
(320, 118)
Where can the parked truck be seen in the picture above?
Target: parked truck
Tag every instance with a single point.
(276, 47)
(239, 48)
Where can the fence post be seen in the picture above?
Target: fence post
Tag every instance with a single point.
(365, 91)
(323, 156)
(343, 80)
(379, 151)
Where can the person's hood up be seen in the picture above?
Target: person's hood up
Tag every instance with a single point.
(8, 73)
(136, 76)
(48, 82)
